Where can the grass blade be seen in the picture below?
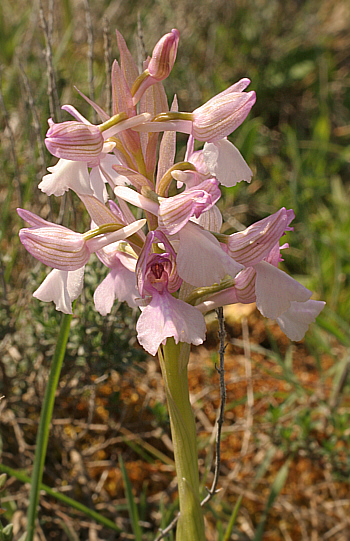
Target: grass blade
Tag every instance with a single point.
(232, 520)
(133, 512)
(276, 488)
(44, 425)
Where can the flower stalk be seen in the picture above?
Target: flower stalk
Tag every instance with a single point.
(44, 425)
(173, 361)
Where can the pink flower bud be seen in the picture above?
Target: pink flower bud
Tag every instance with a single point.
(163, 56)
(222, 114)
(74, 140)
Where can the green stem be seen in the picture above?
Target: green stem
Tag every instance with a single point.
(173, 362)
(44, 425)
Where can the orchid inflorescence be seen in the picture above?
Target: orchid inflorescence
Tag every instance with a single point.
(182, 266)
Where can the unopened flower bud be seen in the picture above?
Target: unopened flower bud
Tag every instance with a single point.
(74, 140)
(160, 65)
(163, 56)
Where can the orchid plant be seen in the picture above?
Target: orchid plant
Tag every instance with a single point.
(174, 264)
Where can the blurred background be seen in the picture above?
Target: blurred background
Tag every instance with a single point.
(286, 434)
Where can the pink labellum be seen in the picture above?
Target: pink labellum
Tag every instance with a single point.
(167, 317)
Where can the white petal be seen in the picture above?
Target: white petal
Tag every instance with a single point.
(98, 180)
(131, 196)
(226, 163)
(65, 175)
(275, 290)
(61, 287)
(296, 320)
(200, 260)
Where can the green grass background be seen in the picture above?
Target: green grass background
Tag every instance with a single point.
(296, 140)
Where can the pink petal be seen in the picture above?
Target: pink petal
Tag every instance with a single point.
(256, 242)
(163, 55)
(167, 149)
(57, 247)
(36, 221)
(211, 220)
(236, 87)
(174, 212)
(296, 320)
(221, 115)
(166, 316)
(200, 260)
(275, 290)
(136, 199)
(119, 284)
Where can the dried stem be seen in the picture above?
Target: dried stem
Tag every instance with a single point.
(141, 50)
(47, 27)
(16, 181)
(107, 59)
(35, 116)
(90, 40)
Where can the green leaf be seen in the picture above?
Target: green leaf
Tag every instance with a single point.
(132, 507)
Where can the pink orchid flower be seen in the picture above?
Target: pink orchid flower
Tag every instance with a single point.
(277, 295)
(64, 249)
(164, 316)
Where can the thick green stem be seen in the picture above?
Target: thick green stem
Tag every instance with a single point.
(44, 425)
(174, 361)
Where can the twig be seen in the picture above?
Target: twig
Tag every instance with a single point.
(221, 371)
(37, 129)
(141, 50)
(35, 116)
(90, 40)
